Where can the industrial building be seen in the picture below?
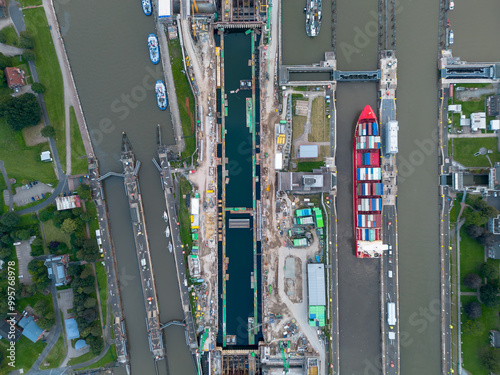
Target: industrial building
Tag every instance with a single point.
(478, 121)
(317, 181)
(316, 294)
(308, 151)
(57, 268)
(67, 203)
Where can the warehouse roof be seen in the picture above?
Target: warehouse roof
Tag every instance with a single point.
(316, 284)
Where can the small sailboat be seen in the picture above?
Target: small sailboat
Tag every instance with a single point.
(165, 216)
(167, 232)
(170, 246)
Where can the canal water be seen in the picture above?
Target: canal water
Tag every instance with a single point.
(107, 48)
(239, 241)
(359, 289)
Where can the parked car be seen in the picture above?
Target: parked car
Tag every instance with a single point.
(33, 199)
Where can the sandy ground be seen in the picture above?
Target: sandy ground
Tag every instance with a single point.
(32, 135)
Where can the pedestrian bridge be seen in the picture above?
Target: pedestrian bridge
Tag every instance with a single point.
(334, 75)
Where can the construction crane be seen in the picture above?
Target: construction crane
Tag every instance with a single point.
(200, 349)
(286, 360)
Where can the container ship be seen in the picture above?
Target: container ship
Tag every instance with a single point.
(313, 17)
(368, 187)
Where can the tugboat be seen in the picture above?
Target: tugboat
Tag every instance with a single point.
(165, 216)
(313, 17)
(167, 232)
(161, 95)
(146, 7)
(154, 51)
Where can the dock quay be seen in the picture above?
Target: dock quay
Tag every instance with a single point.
(177, 246)
(132, 189)
(114, 299)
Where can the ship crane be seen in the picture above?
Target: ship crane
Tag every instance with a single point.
(286, 359)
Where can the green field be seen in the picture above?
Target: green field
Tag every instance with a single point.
(308, 166)
(49, 74)
(185, 98)
(110, 356)
(473, 346)
(463, 150)
(83, 358)
(79, 163)
(471, 256)
(26, 354)
(11, 35)
(56, 355)
(185, 221)
(52, 233)
(23, 162)
(27, 3)
(320, 131)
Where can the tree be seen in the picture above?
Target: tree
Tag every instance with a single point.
(5, 61)
(489, 271)
(77, 211)
(3, 39)
(475, 218)
(96, 344)
(74, 270)
(25, 40)
(472, 281)
(40, 307)
(87, 271)
(46, 322)
(6, 240)
(45, 215)
(487, 239)
(48, 132)
(474, 231)
(23, 111)
(89, 315)
(84, 191)
(10, 219)
(473, 310)
(491, 360)
(473, 327)
(90, 302)
(53, 246)
(489, 296)
(29, 55)
(86, 216)
(4, 252)
(3, 82)
(62, 248)
(23, 234)
(68, 226)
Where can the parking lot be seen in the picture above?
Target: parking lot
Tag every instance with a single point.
(23, 250)
(31, 192)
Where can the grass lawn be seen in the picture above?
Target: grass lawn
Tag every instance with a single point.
(56, 355)
(473, 346)
(471, 256)
(185, 98)
(298, 123)
(26, 354)
(455, 210)
(79, 164)
(83, 358)
(3, 207)
(110, 356)
(103, 287)
(49, 74)
(11, 35)
(23, 302)
(463, 150)
(52, 233)
(23, 162)
(93, 224)
(308, 166)
(320, 124)
(27, 3)
(184, 220)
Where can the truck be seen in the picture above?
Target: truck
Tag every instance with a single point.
(391, 313)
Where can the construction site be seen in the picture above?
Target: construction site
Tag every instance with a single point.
(249, 277)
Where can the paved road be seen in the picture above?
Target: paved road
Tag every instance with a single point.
(10, 50)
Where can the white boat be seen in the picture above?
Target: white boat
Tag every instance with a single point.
(165, 216)
(167, 232)
(170, 246)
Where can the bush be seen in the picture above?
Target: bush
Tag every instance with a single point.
(25, 40)
(473, 310)
(48, 132)
(84, 191)
(491, 360)
(29, 55)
